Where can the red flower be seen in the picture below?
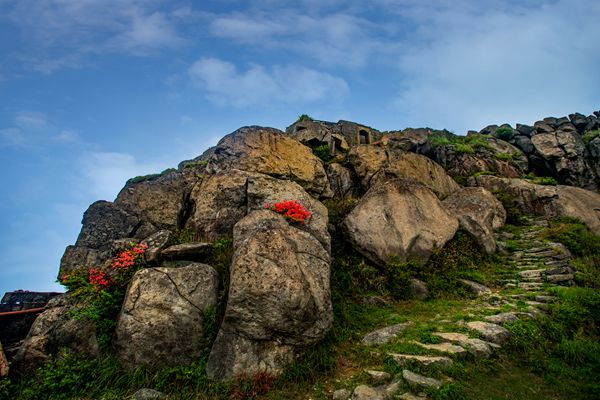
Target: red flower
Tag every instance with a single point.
(99, 279)
(291, 210)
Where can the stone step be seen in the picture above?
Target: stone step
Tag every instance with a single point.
(414, 379)
(477, 347)
(530, 285)
(560, 271)
(557, 263)
(385, 335)
(502, 318)
(529, 273)
(404, 359)
(491, 332)
(444, 347)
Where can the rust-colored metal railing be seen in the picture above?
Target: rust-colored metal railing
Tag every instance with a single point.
(22, 312)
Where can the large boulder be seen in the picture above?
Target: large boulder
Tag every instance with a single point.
(279, 298)
(53, 330)
(160, 200)
(103, 223)
(399, 218)
(562, 154)
(375, 164)
(225, 198)
(269, 151)
(549, 201)
(163, 316)
(479, 213)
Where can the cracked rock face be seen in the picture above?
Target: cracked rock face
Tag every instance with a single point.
(163, 315)
(269, 151)
(279, 298)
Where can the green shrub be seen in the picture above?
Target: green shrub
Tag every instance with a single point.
(439, 140)
(323, 152)
(545, 180)
(338, 208)
(481, 173)
(591, 135)
(504, 133)
(461, 180)
(196, 164)
(304, 117)
(514, 215)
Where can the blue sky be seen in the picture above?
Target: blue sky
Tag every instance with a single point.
(93, 92)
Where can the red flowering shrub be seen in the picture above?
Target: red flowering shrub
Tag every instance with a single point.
(291, 210)
(103, 289)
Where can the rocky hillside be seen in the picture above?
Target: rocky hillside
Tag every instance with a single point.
(229, 258)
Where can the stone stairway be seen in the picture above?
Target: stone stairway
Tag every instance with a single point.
(535, 265)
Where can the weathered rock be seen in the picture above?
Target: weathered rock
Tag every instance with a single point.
(279, 298)
(375, 165)
(341, 180)
(161, 200)
(443, 347)
(549, 201)
(399, 218)
(148, 394)
(156, 243)
(3, 363)
(562, 154)
(491, 332)
(364, 392)
(385, 335)
(224, 199)
(163, 315)
(269, 151)
(418, 289)
(419, 380)
(103, 223)
(479, 213)
(53, 330)
(476, 347)
(476, 288)
(341, 394)
(378, 376)
(426, 361)
(193, 251)
(497, 156)
(503, 318)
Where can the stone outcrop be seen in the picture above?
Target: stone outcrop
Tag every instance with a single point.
(268, 151)
(549, 201)
(496, 156)
(279, 297)
(339, 136)
(479, 213)
(375, 164)
(341, 180)
(399, 218)
(225, 198)
(159, 201)
(163, 315)
(53, 330)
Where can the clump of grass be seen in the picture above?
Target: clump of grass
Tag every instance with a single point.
(150, 177)
(591, 135)
(462, 144)
(304, 117)
(323, 152)
(541, 180)
(514, 215)
(464, 148)
(338, 208)
(196, 164)
(504, 133)
(485, 172)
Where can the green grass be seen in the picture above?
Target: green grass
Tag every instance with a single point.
(304, 117)
(150, 177)
(323, 152)
(591, 135)
(503, 133)
(462, 144)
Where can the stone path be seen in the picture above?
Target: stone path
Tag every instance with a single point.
(534, 266)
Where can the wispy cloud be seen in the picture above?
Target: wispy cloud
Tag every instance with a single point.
(512, 63)
(257, 85)
(105, 173)
(62, 33)
(30, 120)
(334, 39)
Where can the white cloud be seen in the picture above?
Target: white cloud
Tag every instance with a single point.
(476, 65)
(257, 86)
(105, 173)
(11, 137)
(63, 33)
(30, 120)
(335, 39)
